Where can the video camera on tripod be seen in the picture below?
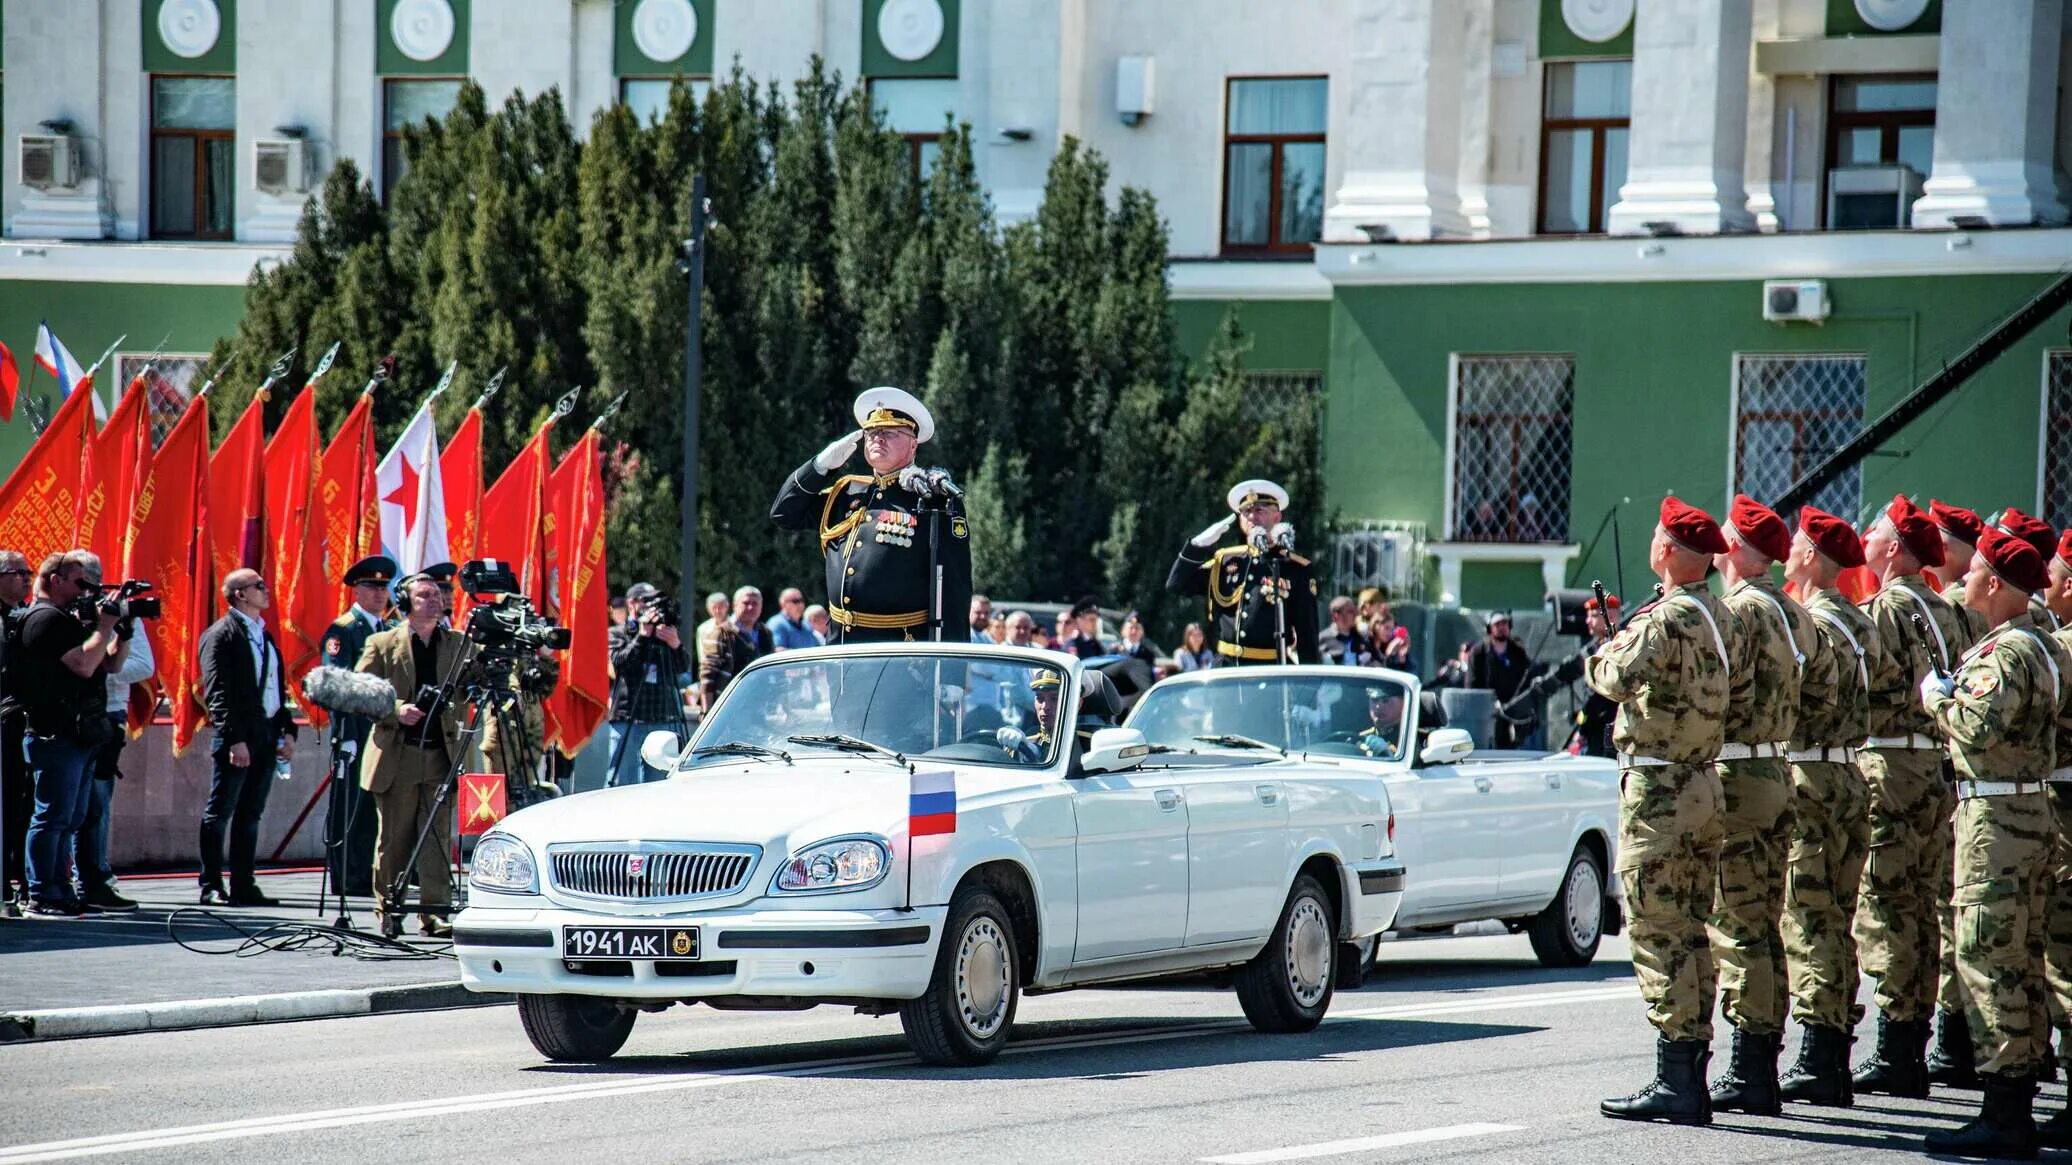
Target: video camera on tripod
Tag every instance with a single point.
(503, 621)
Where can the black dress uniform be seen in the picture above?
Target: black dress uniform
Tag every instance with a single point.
(874, 534)
(350, 805)
(1245, 590)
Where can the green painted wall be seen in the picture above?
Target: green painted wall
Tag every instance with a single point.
(1287, 334)
(1842, 20)
(1653, 389)
(629, 61)
(221, 58)
(390, 61)
(879, 63)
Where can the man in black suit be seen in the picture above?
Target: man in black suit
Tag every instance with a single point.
(247, 699)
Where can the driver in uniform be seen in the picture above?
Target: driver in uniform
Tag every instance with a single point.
(1380, 739)
(1032, 747)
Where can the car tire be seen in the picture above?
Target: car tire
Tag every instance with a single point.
(578, 1029)
(1567, 932)
(1288, 986)
(964, 1016)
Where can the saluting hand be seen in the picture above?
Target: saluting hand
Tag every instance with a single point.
(1214, 534)
(838, 451)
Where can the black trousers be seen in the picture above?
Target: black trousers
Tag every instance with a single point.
(17, 805)
(352, 825)
(237, 800)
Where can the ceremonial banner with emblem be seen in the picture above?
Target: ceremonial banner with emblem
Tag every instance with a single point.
(576, 496)
(237, 498)
(345, 504)
(412, 502)
(295, 544)
(39, 503)
(513, 513)
(114, 466)
(460, 472)
(482, 802)
(169, 545)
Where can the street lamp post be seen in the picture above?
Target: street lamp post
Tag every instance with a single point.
(692, 264)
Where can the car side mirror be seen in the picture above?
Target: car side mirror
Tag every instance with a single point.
(660, 750)
(1446, 745)
(1114, 750)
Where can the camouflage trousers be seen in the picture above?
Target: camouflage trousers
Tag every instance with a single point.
(2057, 929)
(1669, 846)
(1897, 929)
(2004, 848)
(1830, 833)
(1748, 897)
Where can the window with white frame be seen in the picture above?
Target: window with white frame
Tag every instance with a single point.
(1790, 412)
(1511, 448)
(919, 109)
(2057, 438)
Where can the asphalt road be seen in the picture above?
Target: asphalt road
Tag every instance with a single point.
(1463, 1049)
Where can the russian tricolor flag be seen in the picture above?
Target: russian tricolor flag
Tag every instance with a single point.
(932, 804)
(52, 357)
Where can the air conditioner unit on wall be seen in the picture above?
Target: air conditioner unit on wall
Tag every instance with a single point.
(49, 162)
(1785, 300)
(280, 166)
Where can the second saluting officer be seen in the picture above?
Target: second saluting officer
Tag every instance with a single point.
(352, 810)
(1262, 595)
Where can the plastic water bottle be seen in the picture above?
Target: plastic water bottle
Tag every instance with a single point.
(282, 770)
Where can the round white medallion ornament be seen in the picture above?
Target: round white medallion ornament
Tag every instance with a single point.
(189, 27)
(910, 29)
(1597, 21)
(422, 29)
(1890, 15)
(664, 30)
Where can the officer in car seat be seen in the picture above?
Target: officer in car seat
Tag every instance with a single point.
(1381, 737)
(1034, 746)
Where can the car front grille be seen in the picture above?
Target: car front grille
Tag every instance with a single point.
(641, 872)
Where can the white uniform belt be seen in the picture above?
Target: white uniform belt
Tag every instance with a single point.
(1910, 740)
(1629, 760)
(2061, 774)
(1752, 751)
(1839, 754)
(1968, 789)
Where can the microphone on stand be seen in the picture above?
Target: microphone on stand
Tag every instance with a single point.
(1284, 535)
(939, 481)
(1259, 540)
(914, 480)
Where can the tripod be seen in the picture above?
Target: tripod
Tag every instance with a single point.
(338, 827)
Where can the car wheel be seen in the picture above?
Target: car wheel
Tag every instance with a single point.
(964, 1016)
(1567, 932)
(575, 1028)
(1287, 987)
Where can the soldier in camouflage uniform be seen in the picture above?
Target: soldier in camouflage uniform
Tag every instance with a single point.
(2036, 532)
(1830, 832)
(2057, 930)
(1949, 1058)
(1668, 672)
(1755, 780)
(2000, 711)
(1897, 928)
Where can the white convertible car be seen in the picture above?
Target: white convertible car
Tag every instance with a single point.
(1525, 838)
(932, 830)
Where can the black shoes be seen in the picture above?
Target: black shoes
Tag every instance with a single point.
(250, 896)
(2005, 1127)
(54, 908)
(102, 897)
(1899, 1066)
(434, 926)
(1750, 1084)
(1822, 1074)
(214, 896)
(1677, 1094)
(1952, 1062)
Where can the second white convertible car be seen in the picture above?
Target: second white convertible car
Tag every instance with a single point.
(1526, 838)
(930, 830)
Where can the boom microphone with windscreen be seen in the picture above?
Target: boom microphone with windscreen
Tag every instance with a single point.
(350, 693)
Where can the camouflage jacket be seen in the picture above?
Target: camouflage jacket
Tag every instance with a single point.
(1908, 654)
(2063, 638)
(1839, 715)
(1974, 623)
(1768, 646)
(1668, 672)
(2002, 718)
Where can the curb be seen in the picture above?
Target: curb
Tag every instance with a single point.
(127, 1018)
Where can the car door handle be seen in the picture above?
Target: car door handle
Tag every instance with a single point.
(1483, 785)
(1168, 799)
(1553, 780)
(1268, 795)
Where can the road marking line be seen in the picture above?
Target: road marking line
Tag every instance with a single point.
(674, 1082)
(1359, 1144)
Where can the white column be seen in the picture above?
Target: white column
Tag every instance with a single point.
(54, 61)
(521, 45)
(356, 104)
(285, 76)
(1996, 115)
(590, 63)
(1478, 42)
(1762, 167)
(1402, 136)
(1691, 60)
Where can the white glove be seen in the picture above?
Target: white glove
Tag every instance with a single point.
(1214, 534)
(838, 451)
(1936, 684)
(1011, 739)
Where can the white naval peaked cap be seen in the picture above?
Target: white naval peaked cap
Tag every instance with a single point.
(874, 406)
(1255, 486)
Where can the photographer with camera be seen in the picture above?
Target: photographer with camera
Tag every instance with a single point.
(245, 691)
(134, 665)
(56, 653)
(648, 659)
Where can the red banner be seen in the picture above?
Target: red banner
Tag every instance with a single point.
(481, 802)
(114, 466)
(39, 502)
(345, 502)
(295, 544)
(576, 497)
(460, 475)
(169, 545)
(237, 498)
(513, 512)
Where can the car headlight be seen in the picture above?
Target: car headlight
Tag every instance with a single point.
(502, 862)
(850, 863)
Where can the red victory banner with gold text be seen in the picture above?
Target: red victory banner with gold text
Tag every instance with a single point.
(513, 516)
(345, 504)
(237, 498)
(482, 802)
(295, 542)
(460, 475)
(39, 502)
(576, 498)
(169, 545)
(114, 466)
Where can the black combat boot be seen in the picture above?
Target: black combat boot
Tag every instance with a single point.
(1750, 1084)
(2056, 1133)
(1951, 1062)
(1677, 1093)
(2006, 1124)
(2047, 1067)
(1900, 1066)
(1822, 1074)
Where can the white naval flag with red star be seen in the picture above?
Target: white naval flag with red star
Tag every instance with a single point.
(413, 502)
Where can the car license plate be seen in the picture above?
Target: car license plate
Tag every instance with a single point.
(629, 942)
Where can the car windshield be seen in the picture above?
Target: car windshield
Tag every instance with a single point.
(937, 707)
(1358, 715)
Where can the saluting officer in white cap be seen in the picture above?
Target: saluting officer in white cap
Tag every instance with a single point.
(1262, 595)
(874, 527)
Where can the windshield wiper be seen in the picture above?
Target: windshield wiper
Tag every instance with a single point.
(740, 748)
(1233, 740)
(847, 743)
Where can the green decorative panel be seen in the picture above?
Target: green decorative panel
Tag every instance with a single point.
(1843, 20)
(1497, 586)
(389, 58)
(1558, 42)
(909, 19)
(1285, 334)
(171, 25)
(629, 61)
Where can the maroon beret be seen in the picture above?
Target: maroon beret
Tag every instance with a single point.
(1956, 521)
(2065, 547)
(2035, 531)
(1916, 530)
(1832, 536)
(1760, 527)
(2013, 559)
(1692, 527)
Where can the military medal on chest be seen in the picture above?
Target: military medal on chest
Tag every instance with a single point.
(893, 527)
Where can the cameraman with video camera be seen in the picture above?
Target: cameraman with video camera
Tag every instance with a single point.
(648, 659)
(133, 665)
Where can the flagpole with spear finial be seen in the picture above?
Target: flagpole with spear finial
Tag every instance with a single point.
(324, 365)
(445, 382)
(274, 375)
(384, 371)
(489, 390)
(566, 405)
(610, 411)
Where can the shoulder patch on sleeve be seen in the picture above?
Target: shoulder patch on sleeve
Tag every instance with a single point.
(1982, 683)
(959, 528)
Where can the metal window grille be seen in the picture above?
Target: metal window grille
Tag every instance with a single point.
(2057, 440)
(1272, 396)
(1374, 553)
(171, 384)
(1511, 457)
(1790, 412)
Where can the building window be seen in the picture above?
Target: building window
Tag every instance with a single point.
(648, 97)
(1790, 412)
(1273, 164)
(193, 156)
(408, 103)
(1511, 451)
(919, 109)
(1587, 112)
(1880, 148)
(2057, 438)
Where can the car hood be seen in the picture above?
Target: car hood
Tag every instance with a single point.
(765, 804)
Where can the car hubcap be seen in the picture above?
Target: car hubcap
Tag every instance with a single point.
(1309, 952)
(982, 977)
(1585, 905)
